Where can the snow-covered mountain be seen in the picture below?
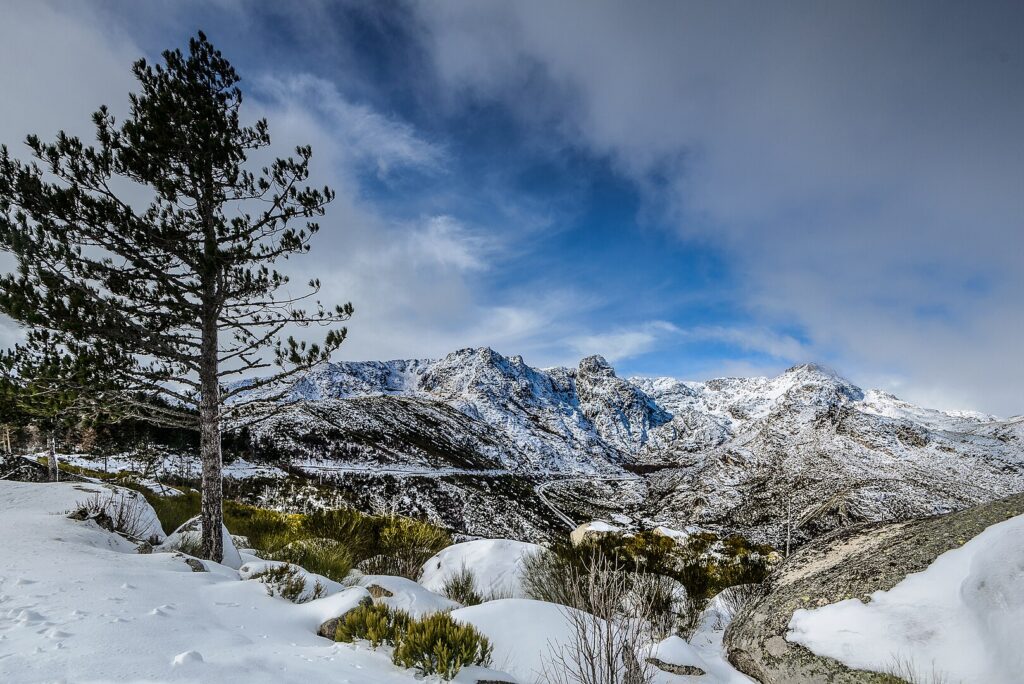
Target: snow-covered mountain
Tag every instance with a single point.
(805, 451)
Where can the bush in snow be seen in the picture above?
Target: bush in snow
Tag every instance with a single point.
(735, 598)
(326, 557)
(703, 565)
(461, 587)
(604, 643)
(124, 512)
(289, 582)
(404, 545)
(174, 511)
(375, 623)
(439, 645)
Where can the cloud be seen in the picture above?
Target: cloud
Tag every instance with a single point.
(415, 282)
(625, 343)
(360, 133)
(861, 164)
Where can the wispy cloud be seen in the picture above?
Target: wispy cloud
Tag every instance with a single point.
(624, 343)
(364, 135)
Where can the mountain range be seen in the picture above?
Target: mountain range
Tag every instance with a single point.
(786, 457)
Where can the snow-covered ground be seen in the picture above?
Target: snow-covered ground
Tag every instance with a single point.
(962, 618)
(79, 604)
(496, 565)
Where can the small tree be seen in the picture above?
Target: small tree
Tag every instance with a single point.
(159, 244)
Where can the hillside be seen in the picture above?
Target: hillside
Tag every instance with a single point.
(799, 454)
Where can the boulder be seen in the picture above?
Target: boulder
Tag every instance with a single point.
(675, 656)
(195, 564)
(593, 529)
(852, 563)
(328, 628)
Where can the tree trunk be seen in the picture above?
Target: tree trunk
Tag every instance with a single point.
(209, 445)
(52, 460)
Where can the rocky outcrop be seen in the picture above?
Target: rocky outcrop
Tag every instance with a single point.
(849, 564)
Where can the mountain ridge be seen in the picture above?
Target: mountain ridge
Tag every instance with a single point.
(806, 450)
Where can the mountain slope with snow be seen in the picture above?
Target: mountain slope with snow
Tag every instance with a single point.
(793, 455)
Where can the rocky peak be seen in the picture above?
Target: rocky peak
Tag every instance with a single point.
(597, 366)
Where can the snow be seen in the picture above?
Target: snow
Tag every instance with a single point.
(78, 604)
(408, 595)
(241, 469)
(962, 617)
(521, 631)
(524, 633)
(496, 565)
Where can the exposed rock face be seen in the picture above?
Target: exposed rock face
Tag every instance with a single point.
(806, 452)
(849, 564)
(621, 413)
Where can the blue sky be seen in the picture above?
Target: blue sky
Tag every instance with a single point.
(690, 189)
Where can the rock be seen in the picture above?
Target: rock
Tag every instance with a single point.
(849, 564)
(686, 670)
(195, 564)
(328, 628)
(377, 591)
(104, 521)
(594, 529)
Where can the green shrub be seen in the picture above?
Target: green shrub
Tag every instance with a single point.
(439, 645)
(173, 511)
(287, 581)
(403, 546)
(267, 530)
(461, 587)
(357, 531)
(381, 545)
(376, 623)
(326, 557)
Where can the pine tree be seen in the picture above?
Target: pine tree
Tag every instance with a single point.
(180, 284)
(54, 388)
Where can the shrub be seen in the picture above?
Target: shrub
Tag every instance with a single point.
(359, 532)
(267, 530)
(376, 623)
(461, 587)
(404, 545)
(439, 645)
(603, 643)
(325, 557)
(125, 513)
(173, 511)
(547, 575)
(289, 582)
(190, 545)
(735, 598)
